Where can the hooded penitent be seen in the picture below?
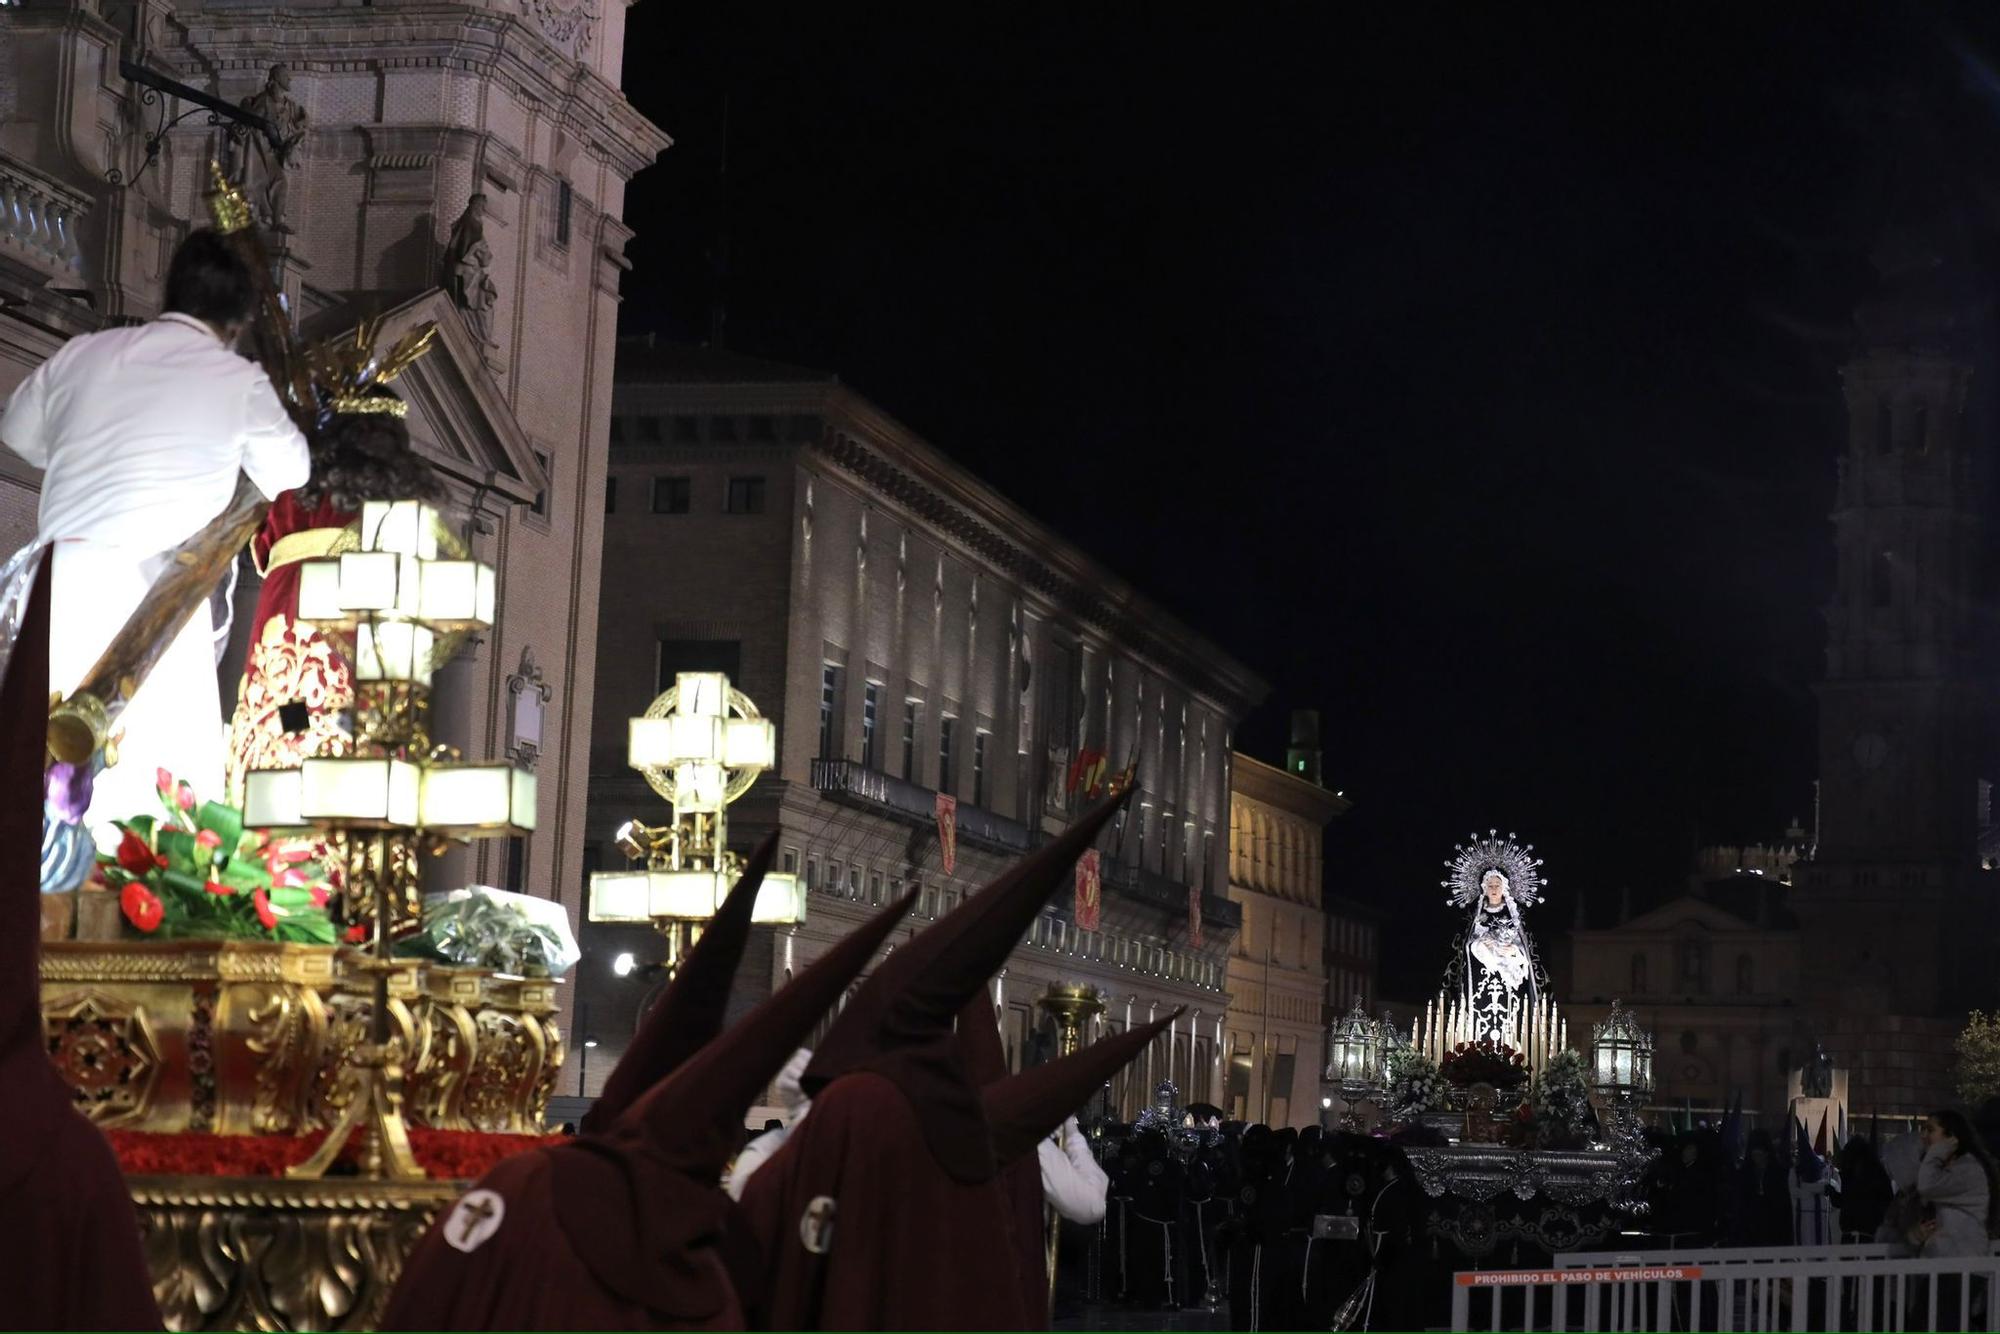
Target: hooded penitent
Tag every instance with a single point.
(628, 1228)
(69, 1239)
(897, 1159)
(985, 1058)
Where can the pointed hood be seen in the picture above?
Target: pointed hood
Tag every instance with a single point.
(980, 1047)
(642, 1202)
(691, 1010)
(899, 1025)
(35, 1094)
(1024, 1109)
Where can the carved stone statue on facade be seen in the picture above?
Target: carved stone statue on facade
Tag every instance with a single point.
(468, 270)
(262, 166)
(1816, 1076)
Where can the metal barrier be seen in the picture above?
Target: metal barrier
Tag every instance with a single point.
(1724, 1255)
(1797, 1294)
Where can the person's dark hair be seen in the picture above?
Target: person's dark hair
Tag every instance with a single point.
(362, 456)
(1957, 1125)
(209, 280)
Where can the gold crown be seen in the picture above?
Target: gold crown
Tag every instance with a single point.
(345, 370)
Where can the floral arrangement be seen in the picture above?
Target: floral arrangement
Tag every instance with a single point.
(1415, 1086)
(448, 1155)
(1561, 1092)
(1484, 1062)
(491, 928)
(198, 874)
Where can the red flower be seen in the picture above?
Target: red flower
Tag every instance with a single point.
(264, 913)
(141, 907)
(164, 779)
(318, 893)
(133, 854)
(207, 840)
(289, 878)
(161, 861)
(217, 888)
(186, 797)
(356, 933)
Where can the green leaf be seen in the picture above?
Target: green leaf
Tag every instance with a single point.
(308, 928)
(142, 825)
(181, 853)
(187, 882)
(226, 821)
(291, 897)
(241, 874)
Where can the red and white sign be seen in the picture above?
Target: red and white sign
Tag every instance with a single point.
(947, 823)
(1089, 891)
(1515, 1278)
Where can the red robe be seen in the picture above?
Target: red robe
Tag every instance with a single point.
(69, 1235)
(921, 1249)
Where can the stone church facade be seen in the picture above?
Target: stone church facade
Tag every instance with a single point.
(395, 117)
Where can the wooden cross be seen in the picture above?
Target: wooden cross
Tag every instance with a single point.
(476, 1212)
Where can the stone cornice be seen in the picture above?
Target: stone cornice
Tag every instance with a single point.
(1257, 781)
(892, 459)
(502, 47)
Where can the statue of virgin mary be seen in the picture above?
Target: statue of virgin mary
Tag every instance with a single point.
(1494, 970)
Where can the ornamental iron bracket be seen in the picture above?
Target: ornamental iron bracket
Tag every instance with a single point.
(157, 89)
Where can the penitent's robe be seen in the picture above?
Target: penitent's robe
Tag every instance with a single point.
(861, 1229)
(459, 1277)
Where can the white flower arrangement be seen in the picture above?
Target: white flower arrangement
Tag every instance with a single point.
(1415, 1086)
(1561, 1092)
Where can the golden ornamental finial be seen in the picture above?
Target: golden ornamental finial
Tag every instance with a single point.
(346, 371)
(226, 202)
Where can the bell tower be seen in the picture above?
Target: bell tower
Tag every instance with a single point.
(1904, 727)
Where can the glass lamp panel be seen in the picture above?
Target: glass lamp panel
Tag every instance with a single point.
(360, 791)
(694, 737)
(405, 527)
(619, 896)
(649, 743)
(705, 694)
(405, 794)
(271, 799)
(523, 796)
(749, 743)
(368, 581)
(393, 651)
(697, 788)
(781, 901)
(458, 594)
(467, 796)
(686, 895)
(319, 592)
(409, 587)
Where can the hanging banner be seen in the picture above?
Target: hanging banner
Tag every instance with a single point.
(1089, 891)
(1194, 917)
(947, 823)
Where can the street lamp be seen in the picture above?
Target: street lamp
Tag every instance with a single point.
(1622, 1061)
(700, 745)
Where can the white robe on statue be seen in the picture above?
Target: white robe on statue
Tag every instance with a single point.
(140, 433)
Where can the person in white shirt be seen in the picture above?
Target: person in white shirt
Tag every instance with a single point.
(140, 433)
(1072, 1182)
(794, 1104)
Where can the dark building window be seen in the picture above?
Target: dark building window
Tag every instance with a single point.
(1920, 431)
(687, 430)
(565, 201)
(871, 696)
(611, 495)
(805, 428)
(617, 430)
(764, 430)
(1746, 977)
(649, 430)
(910, 713)
(1885, 428)
(722, 429)
(979, 768)
(746, 495)
(829, 698)
(1638, 975)
(947, 739)
(1881, 577)
(671, 495)
(696, 655)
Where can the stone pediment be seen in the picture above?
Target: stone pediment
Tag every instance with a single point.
(459, 418)
(1685, 913)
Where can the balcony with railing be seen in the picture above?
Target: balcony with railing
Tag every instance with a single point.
(1168, 894)
(870, 789)
(39, 218)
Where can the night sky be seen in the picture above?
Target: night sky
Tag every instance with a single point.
(1462, 371)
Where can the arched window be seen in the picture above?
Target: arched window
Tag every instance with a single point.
(1638, 974)
(1746, 977)
(1885, 428)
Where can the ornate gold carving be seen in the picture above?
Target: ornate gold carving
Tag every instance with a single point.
(105, 1051)
(254, 1253)
(249, 1037)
